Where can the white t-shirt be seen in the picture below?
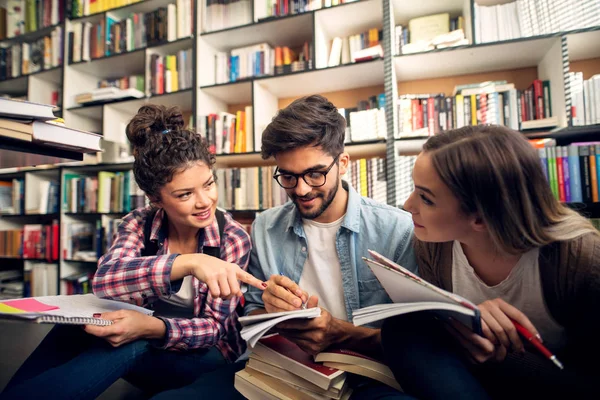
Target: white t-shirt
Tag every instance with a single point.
(185, 296)
(322, 273)
(522, 289)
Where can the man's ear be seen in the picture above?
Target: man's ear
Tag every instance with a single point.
(344, 161)
(478, 225)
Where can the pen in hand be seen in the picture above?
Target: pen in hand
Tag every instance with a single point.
(535, 341)
(304, 302)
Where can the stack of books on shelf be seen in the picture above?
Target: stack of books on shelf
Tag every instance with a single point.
(32, 56)
(249, 188)
(585, 95)
(229, 133)
(523, 18)
(244, 62)
(108, 94)
(86, 241)
(24, 16)
(78, 283)
(573, 171)
(497, 103)
(349, 49)
(369, 119)
(170, 73)
(31, 122)
(293, 59)
(82, 8)
(32, 241)
(430, 32)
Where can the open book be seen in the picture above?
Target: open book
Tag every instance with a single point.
(70, 310)
(410, 293)
(256, 326)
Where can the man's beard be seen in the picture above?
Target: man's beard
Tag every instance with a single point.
(327, 200)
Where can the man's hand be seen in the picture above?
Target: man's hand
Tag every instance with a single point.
(314, 335)
(282, 294)
(128, 325)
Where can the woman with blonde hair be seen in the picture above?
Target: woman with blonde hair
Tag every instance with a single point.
(488, 228)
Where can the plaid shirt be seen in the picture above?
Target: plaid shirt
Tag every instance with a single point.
(126, 276)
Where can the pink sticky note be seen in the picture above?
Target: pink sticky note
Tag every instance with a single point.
(30, 305)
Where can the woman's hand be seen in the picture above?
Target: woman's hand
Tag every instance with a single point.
(499, 333)
(221, 277)
(128, 325)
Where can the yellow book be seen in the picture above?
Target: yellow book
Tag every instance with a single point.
(473, 110)
(363, 177)
(174, 74)
(238, 133)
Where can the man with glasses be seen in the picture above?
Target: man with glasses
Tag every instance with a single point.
(309, 250)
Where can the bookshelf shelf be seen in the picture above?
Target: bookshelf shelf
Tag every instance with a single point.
(569, 134)
(478, 58)
(16, 153)
(590, 210)
(24, 216)
(288, 30)
(86, 262)
(29, 259)
(352, 18)
(231, 93)
(14, 86)
(91, 214)
(343, 77)
(93, 111)
(406, 10)
(173, 46)
(26, 37)
(53, 74)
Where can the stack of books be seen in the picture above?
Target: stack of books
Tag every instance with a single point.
(22, 121)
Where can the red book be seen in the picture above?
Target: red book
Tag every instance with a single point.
(285, 354)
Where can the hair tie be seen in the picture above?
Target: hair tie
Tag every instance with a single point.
(165, 131)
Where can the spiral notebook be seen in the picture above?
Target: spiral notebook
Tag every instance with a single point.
(66, 310)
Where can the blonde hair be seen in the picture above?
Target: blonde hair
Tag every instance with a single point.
(496, 173)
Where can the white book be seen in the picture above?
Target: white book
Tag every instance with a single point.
(410, 293)
(256, 326)
(336, 52)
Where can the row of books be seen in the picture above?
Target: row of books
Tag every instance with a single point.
(280, 8)
(573, 171)
(41, 195)
(40, 279)
(107, 192)
(430, 32)
(77, 283)
(18, 17)
(366, 125)
(223, 14)
(11, 284)
(229, 133)
(368, 177)
(522, 18)
(585, 99)
(170, 73)
(32, 241)
(81, 8)
(113, 36)
(260, 60)
(32, 56)
(249, 188)
(345, 49)
(497, 103)
(87, 241)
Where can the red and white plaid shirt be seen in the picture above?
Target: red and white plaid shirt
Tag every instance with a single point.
(126, 276)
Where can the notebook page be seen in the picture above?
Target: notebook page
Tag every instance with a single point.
(86, 305)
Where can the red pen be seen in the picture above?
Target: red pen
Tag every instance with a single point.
(537, 343)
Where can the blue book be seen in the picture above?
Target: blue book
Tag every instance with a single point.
(574, 174)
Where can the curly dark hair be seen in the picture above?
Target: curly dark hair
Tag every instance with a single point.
(308, 121)
(162, 147)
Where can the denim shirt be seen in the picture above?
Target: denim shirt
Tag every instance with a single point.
(279, 246)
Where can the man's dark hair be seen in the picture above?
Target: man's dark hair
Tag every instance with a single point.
(162, 147)
(308, 121)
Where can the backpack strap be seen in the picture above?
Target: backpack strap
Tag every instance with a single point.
(150, 247)
(216, 251)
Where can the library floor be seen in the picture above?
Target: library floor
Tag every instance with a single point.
(18, 340)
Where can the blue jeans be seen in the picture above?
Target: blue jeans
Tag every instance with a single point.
(218, 384)
(71, 364)
(429, 364)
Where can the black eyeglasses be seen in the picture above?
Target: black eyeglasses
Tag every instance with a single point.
(312, 178)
